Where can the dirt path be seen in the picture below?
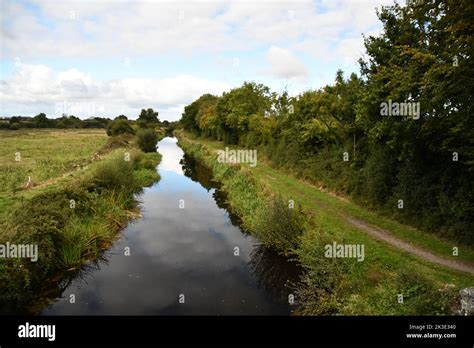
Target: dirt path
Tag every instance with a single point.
(392, 240)
(389, 238)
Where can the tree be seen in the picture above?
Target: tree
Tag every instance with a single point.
(15, 119)
(424, 55)
(189, 116)
(148, 118)
(235, 108)
(41, 121)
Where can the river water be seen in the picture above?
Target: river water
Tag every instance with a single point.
(181, 260)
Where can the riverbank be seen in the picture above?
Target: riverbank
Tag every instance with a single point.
(390, 280)
(73, 214)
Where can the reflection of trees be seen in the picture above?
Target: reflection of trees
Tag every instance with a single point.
(275, 274)
(197, 172)
(49, 294)
(221, 200)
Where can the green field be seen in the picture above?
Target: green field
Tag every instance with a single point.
(44, 155)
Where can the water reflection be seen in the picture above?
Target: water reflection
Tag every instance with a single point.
(274, 273)
(197, 172)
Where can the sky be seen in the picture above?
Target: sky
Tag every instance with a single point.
(110, 57)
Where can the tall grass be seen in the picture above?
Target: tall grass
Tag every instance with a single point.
(83, 239)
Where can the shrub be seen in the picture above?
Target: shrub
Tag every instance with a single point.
(278, 226)
(114, 174)
(147, 139)
(119, 126)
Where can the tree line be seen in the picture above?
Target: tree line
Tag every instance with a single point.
(398, 137)
(146, 117)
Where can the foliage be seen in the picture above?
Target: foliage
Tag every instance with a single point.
(148, 118)
(119, 126)
(278, 226)
(114, 173)
(147, 139)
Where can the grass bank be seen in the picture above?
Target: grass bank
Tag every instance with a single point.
(332, 286)
(72, 213)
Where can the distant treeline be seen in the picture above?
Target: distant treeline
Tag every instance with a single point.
(69, 121)
(399, 138)
(41, 121)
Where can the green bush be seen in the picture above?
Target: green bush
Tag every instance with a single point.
(422, 297)
(278, 226)
(119, 126)
(115, 174)
(147, 139)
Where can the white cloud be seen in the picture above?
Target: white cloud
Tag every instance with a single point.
(34, 86)
(284, 64)
(128, 29)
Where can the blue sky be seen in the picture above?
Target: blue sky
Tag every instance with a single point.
(111, 57)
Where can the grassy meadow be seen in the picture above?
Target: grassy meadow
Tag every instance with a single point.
(81, 194)
(45, 155)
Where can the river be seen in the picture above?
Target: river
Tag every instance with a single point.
(186, 255)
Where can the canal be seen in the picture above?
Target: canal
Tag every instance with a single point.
(186, 255)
